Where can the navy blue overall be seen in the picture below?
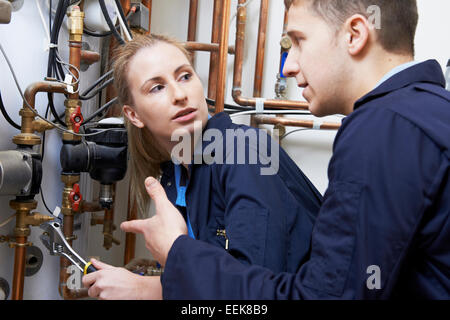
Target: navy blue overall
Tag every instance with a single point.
(383, 230)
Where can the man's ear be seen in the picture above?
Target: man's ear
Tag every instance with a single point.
(357, 32)
(132, 115)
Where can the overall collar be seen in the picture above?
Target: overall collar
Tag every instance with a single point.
(429, 71)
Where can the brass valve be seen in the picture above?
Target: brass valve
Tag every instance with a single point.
(76, 17)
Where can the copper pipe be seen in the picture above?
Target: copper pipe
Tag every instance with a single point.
(75, 60)
(238, 62)
(211, 47)
(28, 124)
(148, 4)
(87, 206)
(42, 86)
(130, 237)
(24, 219)
(212, 78)
(192, 28)
(223, 55)
(296, 123)
(260, 49)
(108, 224)
(89, 57)
(19, 268)
(126, 4)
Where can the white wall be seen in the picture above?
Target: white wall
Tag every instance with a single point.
(23, 40)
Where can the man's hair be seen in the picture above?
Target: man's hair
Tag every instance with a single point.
(398, 19)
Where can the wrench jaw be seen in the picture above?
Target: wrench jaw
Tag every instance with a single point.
(54, 240)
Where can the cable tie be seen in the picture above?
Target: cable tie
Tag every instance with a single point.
(260, 105)
(68, 80)
(317, 124)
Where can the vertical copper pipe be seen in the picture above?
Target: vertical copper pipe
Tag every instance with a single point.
(126, 6)
(223, 55)
(260, 49)
(148, 4)
(130, 237)
(238, 61)
(192, 27)
(75, 60)
(19, 269)
(212, 78)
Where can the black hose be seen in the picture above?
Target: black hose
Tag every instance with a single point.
(53, 67)
(103, 86)
(5, 114)
(108, 33)
(99, 111)
(97, 82)
(122, 14)
(110, 23)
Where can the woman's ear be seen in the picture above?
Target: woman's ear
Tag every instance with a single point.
(132, 115)
(357, 33)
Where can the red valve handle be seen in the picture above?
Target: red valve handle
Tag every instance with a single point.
(77, 119)
(75, 197)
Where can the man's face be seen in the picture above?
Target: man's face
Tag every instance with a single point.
(317, 60)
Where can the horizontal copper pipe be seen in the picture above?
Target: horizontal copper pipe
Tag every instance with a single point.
(88, 206)
(296, 123)
(42, 86)
(89, 57)
(211, 47)
(238, 62)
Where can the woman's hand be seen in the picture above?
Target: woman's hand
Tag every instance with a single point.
(112, 283)
(161, 230)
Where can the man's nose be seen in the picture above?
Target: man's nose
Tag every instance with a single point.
(291, 66)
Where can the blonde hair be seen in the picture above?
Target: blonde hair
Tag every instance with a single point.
(146, 155)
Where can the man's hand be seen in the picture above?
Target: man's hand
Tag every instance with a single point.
(112, 283)
(161, 230)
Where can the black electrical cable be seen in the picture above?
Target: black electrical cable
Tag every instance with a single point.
(122, 14)
(97, 82)
(109, 22)
(103, 86)
(108, 33)
(55, 68)
(42, 159)
(99, 111)
(5, 114)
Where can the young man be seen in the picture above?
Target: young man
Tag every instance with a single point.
(383, 230)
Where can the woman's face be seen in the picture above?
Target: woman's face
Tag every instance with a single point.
(166, 91)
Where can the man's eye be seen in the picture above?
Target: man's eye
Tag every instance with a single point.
(186, 76)
(156, 88)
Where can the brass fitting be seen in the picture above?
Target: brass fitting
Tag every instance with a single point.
(27, 136)
(71, 106)
(25, 218)
(40, 125)
(69, 181)
(76, 17)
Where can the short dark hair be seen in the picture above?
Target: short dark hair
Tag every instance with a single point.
(398, 19)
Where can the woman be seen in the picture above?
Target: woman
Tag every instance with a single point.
(260, 218)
